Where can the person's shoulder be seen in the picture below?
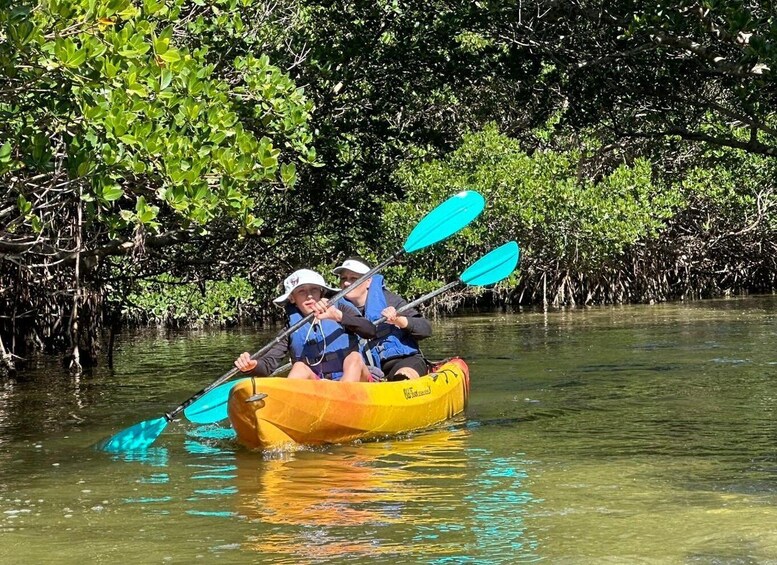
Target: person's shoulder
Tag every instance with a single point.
(345, 306)
(392, 298)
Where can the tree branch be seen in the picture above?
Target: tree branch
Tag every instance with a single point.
(115, 247)
(750, 146)
(717, 60)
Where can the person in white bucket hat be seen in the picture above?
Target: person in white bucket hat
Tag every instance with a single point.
(300, 278)
(395, 349)
(326, 347)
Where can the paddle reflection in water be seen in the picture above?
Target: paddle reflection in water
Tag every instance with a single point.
(208, 480)
(155, 492)
(398, 499)
(214, 465)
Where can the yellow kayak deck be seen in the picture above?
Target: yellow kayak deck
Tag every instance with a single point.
(313, 412)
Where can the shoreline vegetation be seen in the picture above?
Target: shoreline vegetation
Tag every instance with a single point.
(164, 162)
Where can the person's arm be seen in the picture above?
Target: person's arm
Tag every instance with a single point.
(266, 364)
(355, 323)
(410, 320)
(347, 315)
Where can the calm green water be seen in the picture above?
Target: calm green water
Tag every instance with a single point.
(633, 434)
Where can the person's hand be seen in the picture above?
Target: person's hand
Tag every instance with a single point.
(323, 310)
(244, 363)
(390, 313)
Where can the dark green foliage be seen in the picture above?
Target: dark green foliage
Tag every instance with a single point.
(627, 146)
(116, 140)
(170, 303)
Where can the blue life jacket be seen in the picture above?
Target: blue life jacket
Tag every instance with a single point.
(390, 341)
(322, 345)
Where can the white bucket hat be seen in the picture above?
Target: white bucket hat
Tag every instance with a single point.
(300, 277)
(355, 264)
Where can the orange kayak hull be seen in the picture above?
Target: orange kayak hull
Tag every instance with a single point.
(319, 412)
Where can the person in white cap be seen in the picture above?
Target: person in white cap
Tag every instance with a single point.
(395, 348)
(326, 347)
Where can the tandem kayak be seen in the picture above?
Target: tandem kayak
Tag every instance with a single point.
(274, 412)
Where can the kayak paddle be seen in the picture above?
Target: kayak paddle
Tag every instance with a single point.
(212, 407)
(489, 269)
(445, 220)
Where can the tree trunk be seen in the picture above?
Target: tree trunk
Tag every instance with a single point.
(6, 360)
(75, 360)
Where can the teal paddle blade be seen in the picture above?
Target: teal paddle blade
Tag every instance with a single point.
(211, 407)
(494, 267)
(448, 218)
(140, 436)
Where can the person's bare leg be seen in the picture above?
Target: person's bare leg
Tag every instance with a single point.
(354, 369)
(301, 371)
(407, 372)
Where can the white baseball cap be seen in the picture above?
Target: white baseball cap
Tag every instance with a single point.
(300, 277)
(355, 264)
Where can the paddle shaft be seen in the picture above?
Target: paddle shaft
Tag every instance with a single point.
(422, 299)
(280, 337)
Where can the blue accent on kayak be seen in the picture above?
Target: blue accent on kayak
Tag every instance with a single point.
(212, 407)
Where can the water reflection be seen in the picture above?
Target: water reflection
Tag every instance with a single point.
(428, 496)
(208, 473)
(213, 471)
(400, 498)
(155, 496)
(501, 487)
(153, 456)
